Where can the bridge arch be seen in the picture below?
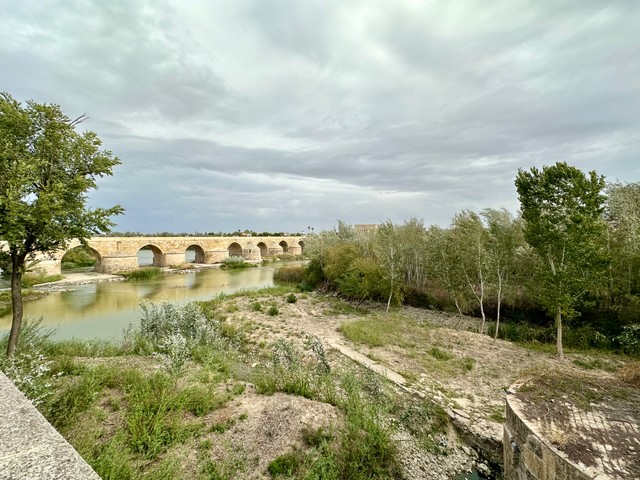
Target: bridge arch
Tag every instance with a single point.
(145, 260)
(301, 243)
(198, 255)
(285, 246)
(264, 250)
(79, 256)
(235, 249)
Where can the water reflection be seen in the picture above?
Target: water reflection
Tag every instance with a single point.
(104, 309)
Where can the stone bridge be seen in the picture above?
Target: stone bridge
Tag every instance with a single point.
(120, 254)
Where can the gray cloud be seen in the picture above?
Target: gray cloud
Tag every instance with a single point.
(277, 115)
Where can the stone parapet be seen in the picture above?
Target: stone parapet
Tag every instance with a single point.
(30, 448)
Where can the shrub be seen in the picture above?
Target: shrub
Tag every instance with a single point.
(236, 262)
(273, 311)
(291, 298)
(629, 339)
(256, 306)
(289, 274)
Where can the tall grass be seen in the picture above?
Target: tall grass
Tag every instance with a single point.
(142, 274)
(31, 279)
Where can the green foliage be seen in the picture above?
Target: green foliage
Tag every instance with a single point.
(236, 262)
(291, 298)
(272, 311)
(29, 280)
(46, 170)
(78, 257)
(153, 416)
(143, 274)
(293, 274)
(629, 339)
(562, 209)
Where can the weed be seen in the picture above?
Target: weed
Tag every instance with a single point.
(273, 311)
(286, 465)
(291, 298)
(256, 306)
(438, 354)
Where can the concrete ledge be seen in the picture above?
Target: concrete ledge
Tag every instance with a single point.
(30, 448)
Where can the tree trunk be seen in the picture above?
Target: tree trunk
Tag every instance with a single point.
(559, 333)
(16, 303)
(495, 336)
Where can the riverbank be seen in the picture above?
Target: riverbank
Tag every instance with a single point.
(287, 374)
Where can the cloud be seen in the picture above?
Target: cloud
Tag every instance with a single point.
(276, 114)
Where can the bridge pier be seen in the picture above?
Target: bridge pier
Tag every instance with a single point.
(173, 258)
(251, 253)
(295, 250)
(215, 256)
(117, 264)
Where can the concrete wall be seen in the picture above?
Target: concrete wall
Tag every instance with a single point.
(30, 448)
(528, 456)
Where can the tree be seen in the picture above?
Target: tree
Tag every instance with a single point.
(470, 240)
(46, 169)
(562, 209)
(623, 215)
(504, 237)
(389, 255)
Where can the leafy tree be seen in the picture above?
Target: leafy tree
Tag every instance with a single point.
(623, 215)
(389, 255)
(504, 238)
(46, 169)
(470, 240)
(444, 265)
(562, 209)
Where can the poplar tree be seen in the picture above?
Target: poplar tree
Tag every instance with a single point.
(563, 213)
(46, 170)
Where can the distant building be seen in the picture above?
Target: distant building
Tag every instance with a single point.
(366, 227)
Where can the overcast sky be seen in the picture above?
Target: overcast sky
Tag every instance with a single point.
(280, 115)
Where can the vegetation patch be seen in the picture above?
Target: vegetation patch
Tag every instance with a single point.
(380, 330)
(293, 274)
(142, 274)
(31, 279)
(236, 262)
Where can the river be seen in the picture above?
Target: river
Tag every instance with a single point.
(105, 309)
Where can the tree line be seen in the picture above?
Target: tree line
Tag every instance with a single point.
(572, 254)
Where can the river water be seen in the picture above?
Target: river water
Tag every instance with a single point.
(103, 310)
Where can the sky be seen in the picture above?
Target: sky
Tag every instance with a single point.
(281, 115)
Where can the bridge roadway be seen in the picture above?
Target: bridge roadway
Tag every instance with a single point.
(120, 254)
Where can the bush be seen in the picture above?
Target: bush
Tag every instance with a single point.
(273, 311)
(289, 274)
(236, 262)
(78, 257)
(629, 339)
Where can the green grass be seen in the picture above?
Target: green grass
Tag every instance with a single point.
(142, 274)
(384, 329)
(29, 279)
